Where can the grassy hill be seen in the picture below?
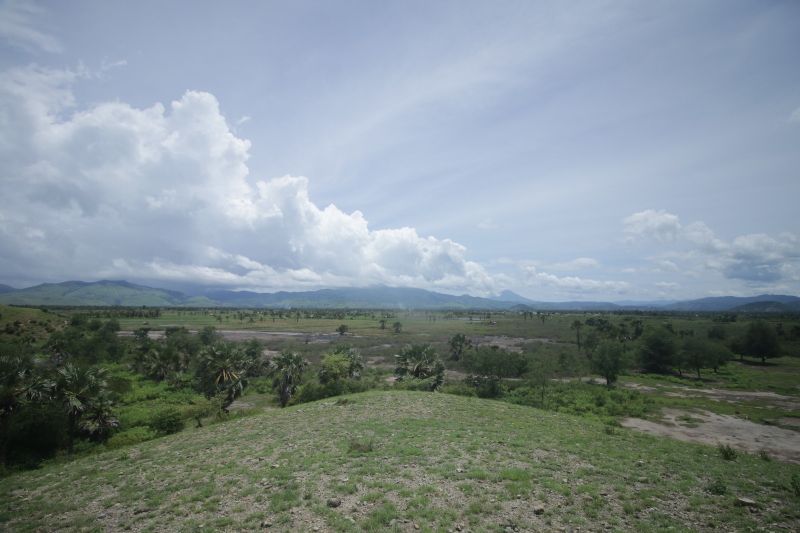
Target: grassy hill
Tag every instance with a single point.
(100, 293)
(404, 460)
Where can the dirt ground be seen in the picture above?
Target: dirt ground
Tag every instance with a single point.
(246, 335)
(709, 428)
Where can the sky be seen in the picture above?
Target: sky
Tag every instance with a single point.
(562, 150)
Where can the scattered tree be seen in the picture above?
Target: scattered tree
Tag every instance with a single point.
(459, 343)
(657, 350)
(760, 340)
(420, 361)
(287, 372)
(609, 360)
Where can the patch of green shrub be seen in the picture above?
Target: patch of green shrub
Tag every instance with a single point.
(131, 436)
(726, 452)
(166, 421)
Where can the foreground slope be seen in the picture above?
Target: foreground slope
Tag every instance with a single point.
(404, 460)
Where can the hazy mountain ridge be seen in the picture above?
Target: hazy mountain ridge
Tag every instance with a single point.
(124, 293)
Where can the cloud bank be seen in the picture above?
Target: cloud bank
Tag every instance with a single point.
(757, 259)
(164, 193)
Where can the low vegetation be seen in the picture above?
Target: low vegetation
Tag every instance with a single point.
(78, 386)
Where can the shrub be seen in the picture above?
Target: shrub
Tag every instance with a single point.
(795, 483)
(726, 452)
(166, 421)
(717, 487)
(131, 436)
(361, 446)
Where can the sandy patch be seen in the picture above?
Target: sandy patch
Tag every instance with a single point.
(714, 429)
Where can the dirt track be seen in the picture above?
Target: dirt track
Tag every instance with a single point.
(709, 428)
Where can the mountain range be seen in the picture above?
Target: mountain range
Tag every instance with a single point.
(124, 293)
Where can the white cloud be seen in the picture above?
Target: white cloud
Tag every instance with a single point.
(17, 27)
(667, 285)
(165, 193)
(757, 259)
(580, 263)
(659, 225)
(574, 284)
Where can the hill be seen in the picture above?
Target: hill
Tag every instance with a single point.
(404, 461)
(731, 303)
(99, 293)
(124, 293)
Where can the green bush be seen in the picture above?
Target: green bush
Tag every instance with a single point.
(311, 391)
(131, 436)
(166, 421)
(459, 389)
(726, 452)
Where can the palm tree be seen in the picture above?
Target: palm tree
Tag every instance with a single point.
(287, 371)
(458, 345)
(84, 396)
(222, 371)
(420, 361)
(577, 325)
(18, 384)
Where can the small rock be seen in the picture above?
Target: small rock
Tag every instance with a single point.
(275, 465)
(334, 502)
(639, 463)
(266, 524)
(460, 470)
(416, 526)
(538, 510)
(745, 502)
(315, 528)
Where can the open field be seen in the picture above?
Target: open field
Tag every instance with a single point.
(401, 461)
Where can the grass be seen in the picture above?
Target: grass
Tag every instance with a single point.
(435, 460)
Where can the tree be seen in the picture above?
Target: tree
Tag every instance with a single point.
(699, 353)
(287, 371)
(398, 327)
(222, 371)
(342, 329)
(83, 394)
(459, 343)
(19, 383)
(343, 362)
(577, 325)
(383, 323)
(420, 361)
(657, 350)
(609, 360)
(760, 340)
(487, 366)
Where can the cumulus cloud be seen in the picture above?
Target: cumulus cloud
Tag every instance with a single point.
(658, 225)
(574, 284)
(164, 192)
(757, 259)
(18, 27)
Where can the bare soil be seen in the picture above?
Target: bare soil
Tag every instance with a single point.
(709, 428)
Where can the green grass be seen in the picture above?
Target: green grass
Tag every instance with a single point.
(436, 461)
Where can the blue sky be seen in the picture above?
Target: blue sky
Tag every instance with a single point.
(592, 150)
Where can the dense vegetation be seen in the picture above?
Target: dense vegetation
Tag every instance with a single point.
(71, 383)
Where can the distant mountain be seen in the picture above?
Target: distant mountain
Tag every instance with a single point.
(357, 297)
(99, 293)
(6, 288)
(510, 296)
(124, 293)
(732, 303)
